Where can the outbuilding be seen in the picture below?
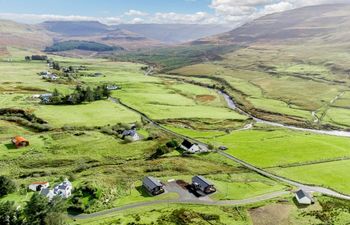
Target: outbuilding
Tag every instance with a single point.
(190, 147)
(38, 186)
(19, 142)
(153, 185)
(202, 184)
(304, 197)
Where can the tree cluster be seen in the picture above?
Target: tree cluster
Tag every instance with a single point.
(80, 95)
(37, 211)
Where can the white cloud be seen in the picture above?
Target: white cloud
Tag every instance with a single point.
(133, 12)
(231, 12)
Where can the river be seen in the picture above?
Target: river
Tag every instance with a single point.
(231, 104)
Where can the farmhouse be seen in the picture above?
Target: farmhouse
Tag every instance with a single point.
(188, 146)
(153, 185)
(49, 76)
(38, 186)
(203, 185)
(131, 133)
(64, 189)
(45, 98)
(304, 197)
(19, 142)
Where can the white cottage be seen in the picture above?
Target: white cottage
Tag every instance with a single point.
(304, 197)
(38, 186)
(188, 146)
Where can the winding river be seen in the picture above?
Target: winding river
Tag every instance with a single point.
(231, 104)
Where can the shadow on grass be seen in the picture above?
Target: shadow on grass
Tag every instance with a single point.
(10, 146)
(143, 191)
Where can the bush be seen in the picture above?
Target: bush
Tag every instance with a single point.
(7, 186)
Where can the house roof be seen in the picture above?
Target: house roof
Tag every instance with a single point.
(301, 194)
(151, 182)
(64, 185)
(201, 181)
(187, 144)
(40, 183)
(19, 139)
(129, 132)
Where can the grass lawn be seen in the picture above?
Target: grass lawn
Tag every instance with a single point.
(97, 113)
(277, 147)
(335, 175)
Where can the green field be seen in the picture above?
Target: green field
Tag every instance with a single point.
(333, 175)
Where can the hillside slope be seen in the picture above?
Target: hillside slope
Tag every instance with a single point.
(326, 22)
(14, 34)
(291, 67)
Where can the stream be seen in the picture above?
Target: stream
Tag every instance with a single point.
(231, 104)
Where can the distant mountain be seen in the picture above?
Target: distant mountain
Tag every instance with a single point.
(174, 33)
(14, 34)
(75, 28)
(322, 22)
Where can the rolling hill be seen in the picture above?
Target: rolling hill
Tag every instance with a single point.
(174, 33)
(322, 22)
(14, 34)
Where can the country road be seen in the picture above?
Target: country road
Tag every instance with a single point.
(321, 190)
(183, 201)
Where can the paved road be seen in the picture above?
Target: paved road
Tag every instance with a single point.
(197, 201)
(321, 190)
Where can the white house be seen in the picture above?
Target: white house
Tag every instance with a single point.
(304, 197)
(188, 146)
(38, 186)
(64, 189)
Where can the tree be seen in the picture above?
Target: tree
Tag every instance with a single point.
(56, 66)
(9, 215)
(7, 186)
(56, 97)
(40, 211)
(106, 91)
(89, 95)
(27, 58)
(98, 92)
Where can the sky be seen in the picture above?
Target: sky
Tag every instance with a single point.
(229, 12)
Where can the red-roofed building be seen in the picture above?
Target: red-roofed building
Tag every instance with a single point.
(20, 142)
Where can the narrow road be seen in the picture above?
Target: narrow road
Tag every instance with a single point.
(181, 201)
(322, 190)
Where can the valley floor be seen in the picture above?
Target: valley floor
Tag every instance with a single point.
(79, 142)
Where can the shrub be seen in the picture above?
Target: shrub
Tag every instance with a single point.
(7, 186)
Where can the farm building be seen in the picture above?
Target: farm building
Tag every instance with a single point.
(45, 98)
(39, 57)
(304, 197)
(153, 185)
(112, 87)
(64, 189)
(20, 142)
(38, 186)
(131, 133)
(190, 147)
(202, 184)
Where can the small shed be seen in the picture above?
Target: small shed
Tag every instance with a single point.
(202, 184)
(304, 197)
(153, 185)
(38, 186)
(19, 142)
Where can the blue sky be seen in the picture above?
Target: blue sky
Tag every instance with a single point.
(230, 12)
(102, 7)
